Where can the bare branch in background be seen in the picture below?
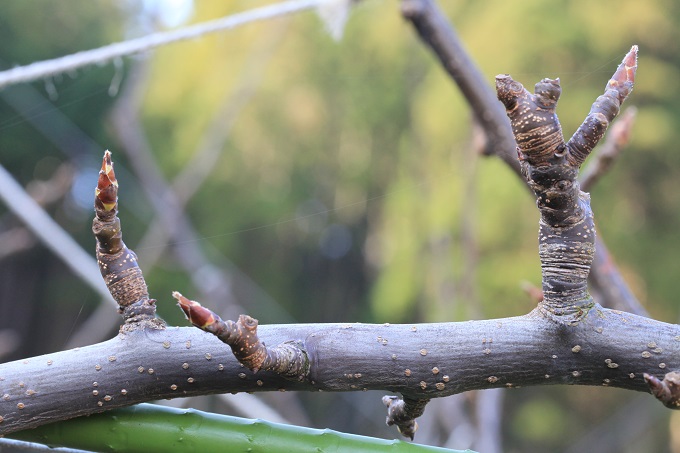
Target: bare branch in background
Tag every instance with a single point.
(49, 191)
(195, 172)
(18, 239)
(607, 153)
(435, 30)
(488, 411)
(608, 283)
(51, 234)
(207, 278)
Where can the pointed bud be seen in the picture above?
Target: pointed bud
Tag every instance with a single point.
(107, 185)
(197, 315)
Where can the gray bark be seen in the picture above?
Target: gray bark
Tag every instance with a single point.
(606, 348)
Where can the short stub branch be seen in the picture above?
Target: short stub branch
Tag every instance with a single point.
(288, 359)
(117, 263)
(403, 412)
(667, 390)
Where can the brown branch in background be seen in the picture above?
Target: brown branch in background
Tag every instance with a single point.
(15, 240)
(118, 264)
(288, 359)
(436, 31)
(605, 155)
(50, 233)
(224, 285)
(489, 421)
(44, 193)
(534, 293)
(608, 283)
(403, 413)
(668, 390)
(9, 342)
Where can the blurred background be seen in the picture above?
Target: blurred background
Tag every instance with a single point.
(275, 170)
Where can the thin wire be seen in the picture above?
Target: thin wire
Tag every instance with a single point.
(48, 68)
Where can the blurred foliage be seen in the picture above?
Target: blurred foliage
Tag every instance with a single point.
(350, 188)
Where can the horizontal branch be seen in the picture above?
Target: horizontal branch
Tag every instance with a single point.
(48, 68)
(420, 361)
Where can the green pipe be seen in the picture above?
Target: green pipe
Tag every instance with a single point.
(148, 428)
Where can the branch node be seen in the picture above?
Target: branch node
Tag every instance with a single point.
(403, 413)
(288, 359)
(667, 390)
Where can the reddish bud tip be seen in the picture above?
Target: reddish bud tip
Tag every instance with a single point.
(197, 315)
(107, 185)
(630, 60)
(624, 77)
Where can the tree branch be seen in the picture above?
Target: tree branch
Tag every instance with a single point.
(567, 339)
(435, 30)
(118, 264)
(608, 348)
(550, 166)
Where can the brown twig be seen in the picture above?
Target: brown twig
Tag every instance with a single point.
(667, 390)
(403, 412)
(606, 154)
(550, 167)
(288, 359)
(436, 31)
(118, 264)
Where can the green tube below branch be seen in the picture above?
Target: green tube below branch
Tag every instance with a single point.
(151, 428)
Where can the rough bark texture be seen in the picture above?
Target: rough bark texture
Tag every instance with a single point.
(288, 359)
(117, 263)
(567, 339)
(436, 31)
(550, 167)
(608, 348)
